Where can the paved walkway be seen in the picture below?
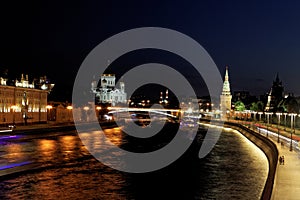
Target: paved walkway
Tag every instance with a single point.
(287, 181)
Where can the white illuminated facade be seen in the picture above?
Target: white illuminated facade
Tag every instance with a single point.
(24, 82)
(108, 92)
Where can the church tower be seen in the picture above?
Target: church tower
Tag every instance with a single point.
(225, 98)
(275, 95)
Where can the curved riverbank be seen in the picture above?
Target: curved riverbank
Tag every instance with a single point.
(266, 145)
(270, 150)
(46, 128)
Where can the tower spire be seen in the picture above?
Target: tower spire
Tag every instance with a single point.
(226, 74)
(226, 84)
(225, 98)
(277, 77)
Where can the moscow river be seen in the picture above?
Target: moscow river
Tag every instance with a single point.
(58, 166)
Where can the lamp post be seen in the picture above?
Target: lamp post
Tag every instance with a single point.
(293, 116)
(285, 114)
(86, 108)
(278, 123)
(237, 115)
(227, 114)
(260, 113)
(69, 108)
(268, 121)
(254, 119)
(14, 107)
(98, 108)
(49, 107)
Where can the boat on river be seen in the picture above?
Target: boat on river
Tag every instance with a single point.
(9, 129)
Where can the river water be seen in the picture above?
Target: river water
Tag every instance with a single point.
(64, 169)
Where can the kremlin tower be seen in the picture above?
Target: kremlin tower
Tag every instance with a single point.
(225, 98)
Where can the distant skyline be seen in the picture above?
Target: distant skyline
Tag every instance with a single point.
(256, 39)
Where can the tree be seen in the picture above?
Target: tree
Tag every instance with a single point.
(257, 106)
(239, 106)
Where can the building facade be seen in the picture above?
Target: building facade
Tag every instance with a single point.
(225, 97)
(23, 102)
(107, 92)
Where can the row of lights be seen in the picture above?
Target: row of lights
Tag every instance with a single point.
(86, 108)
(278, 114)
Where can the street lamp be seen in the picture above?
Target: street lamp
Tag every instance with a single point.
(86, 108)
(254, 119)
(228, 115)
(98, 108)
(278, 123)
(49, 107)
(69, 108)
(293, 116)
(236, 115)
(14, 107)
(259, 113)
(268, 121)
(285, 114)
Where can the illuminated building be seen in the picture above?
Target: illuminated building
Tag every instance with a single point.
(163, 100)
(23, 101)
(108, 92)
(225, 97)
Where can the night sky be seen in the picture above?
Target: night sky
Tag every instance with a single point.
(256, 39)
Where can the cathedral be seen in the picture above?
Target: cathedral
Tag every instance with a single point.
(108, 93)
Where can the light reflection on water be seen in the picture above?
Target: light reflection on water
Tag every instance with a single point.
(235, 169)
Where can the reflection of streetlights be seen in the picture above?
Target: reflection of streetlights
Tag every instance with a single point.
(14, 107)
(293, 116)
(278, 123)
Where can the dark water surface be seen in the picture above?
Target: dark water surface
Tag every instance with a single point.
(235, 169)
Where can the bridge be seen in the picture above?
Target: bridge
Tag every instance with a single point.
(175, 113)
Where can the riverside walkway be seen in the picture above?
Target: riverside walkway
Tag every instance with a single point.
(287, 178)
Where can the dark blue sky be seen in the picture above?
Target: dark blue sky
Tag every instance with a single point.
(256, 39)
